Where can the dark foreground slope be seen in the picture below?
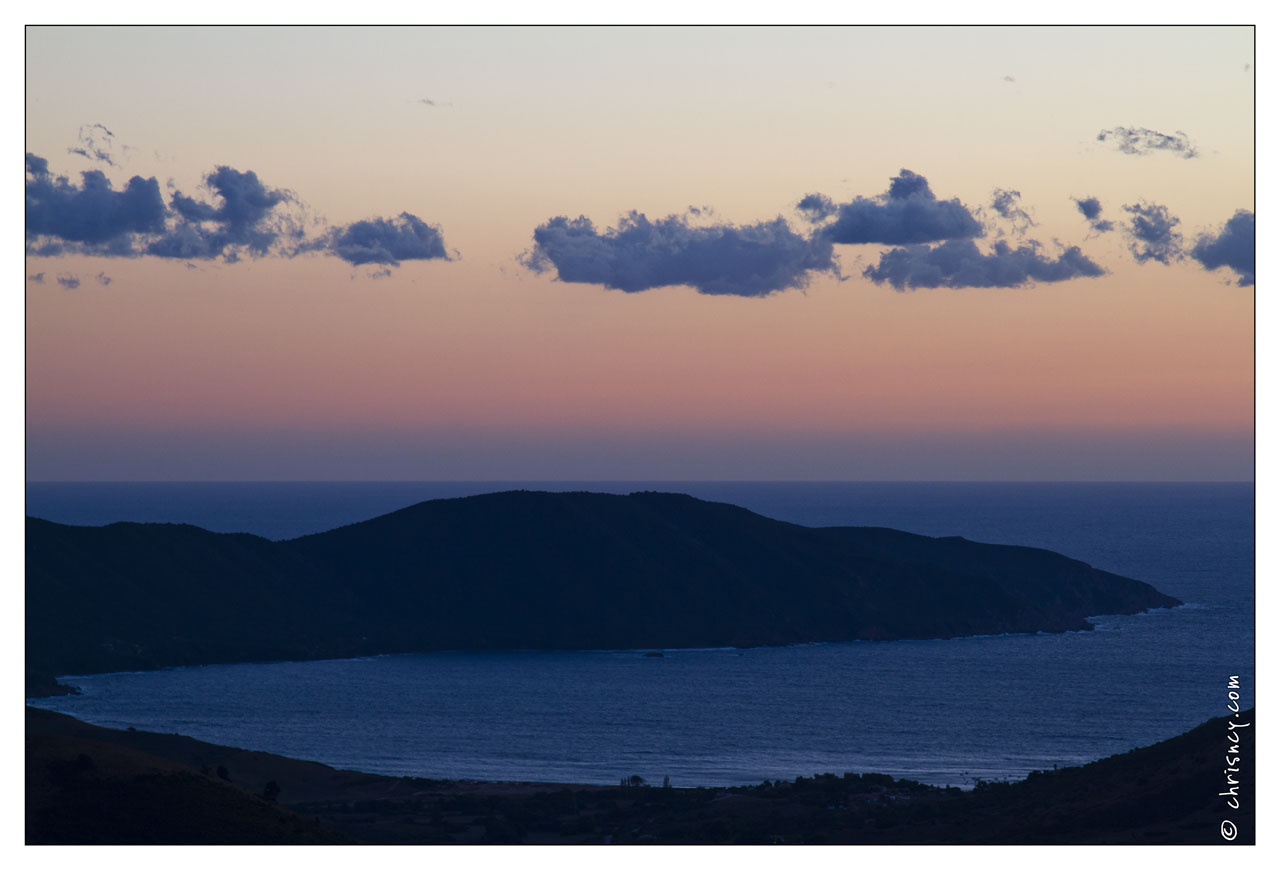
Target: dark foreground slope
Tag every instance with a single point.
(531, 570)
(95, 785)
(87, 785)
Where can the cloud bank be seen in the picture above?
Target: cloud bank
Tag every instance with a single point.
(1140, 141)
(1232, 247)
(640, 254)
(907, 213)
(959, 264)
(236, 215)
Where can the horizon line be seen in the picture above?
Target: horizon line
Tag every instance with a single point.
(570, 480)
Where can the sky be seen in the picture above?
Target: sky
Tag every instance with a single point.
(639, 253)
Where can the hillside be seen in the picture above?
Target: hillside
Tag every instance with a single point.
(87, 784)
(530, 570)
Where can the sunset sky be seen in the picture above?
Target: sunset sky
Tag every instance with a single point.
(645, 253)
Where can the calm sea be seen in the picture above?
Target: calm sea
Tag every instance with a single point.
(944, 712)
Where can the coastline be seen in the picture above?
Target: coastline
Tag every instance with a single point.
(79, 775)
(42, 685)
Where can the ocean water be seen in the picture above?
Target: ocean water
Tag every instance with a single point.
(942, 711)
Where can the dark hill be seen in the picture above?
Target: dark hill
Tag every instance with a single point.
(87, 784)
(531, 570)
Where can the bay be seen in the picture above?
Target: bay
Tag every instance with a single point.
(943, 711)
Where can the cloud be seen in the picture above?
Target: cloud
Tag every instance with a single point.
(103, 278)
(37, 278)
(95, 143)
(908, 213)
(239, 215)
(959, 263)
(1091, 208)
(1009, 79)
(1007, 204)
(379, 240)
(815, 207)
(1233, 247)
(99, 218)
(1140, 140)
(1152, 234)
(241, 221)
(640, 254)
(71, 282)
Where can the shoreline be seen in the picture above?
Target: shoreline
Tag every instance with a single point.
(79, 776)
(40, 685)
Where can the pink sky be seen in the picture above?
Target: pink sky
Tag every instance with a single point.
(311, 367)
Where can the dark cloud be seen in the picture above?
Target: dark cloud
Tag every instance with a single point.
(37, 278)
(240, 215)
(242, 221)
(1091, 208)
(381, 273)
(71, 282)
(103, 278)
(1140, 140)
(380, 240)
(960, 264)
(1233, 247)
(816, 207)
(192, 210)
(908, 213)
(95, 143)
(640, 254)
(104, 220)
(1152, 233)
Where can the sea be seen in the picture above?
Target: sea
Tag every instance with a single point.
(944, 712)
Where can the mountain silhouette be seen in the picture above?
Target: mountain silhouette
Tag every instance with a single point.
(531, 570)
